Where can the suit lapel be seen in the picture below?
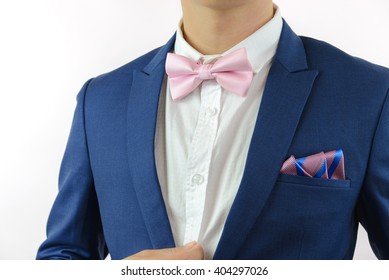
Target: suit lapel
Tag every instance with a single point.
(287, 89)
(141, 125)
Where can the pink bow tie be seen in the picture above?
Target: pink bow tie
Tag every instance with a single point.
(232, 71)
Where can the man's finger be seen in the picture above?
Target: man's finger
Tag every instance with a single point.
(191, 251)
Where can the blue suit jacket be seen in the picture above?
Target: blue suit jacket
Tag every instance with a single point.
(317, 98)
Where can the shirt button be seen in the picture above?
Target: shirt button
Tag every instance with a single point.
(197, 179)
(211, 112)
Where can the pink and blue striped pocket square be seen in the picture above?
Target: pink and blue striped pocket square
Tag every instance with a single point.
(329, 165)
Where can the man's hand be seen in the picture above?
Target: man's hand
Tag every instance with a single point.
(191, 251)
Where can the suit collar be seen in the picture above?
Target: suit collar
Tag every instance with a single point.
(159, 58)
(291, 52)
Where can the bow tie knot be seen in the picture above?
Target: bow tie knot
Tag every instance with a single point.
(233, 72)
(204, 71)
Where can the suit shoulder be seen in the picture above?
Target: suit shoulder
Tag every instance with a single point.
(324, 56)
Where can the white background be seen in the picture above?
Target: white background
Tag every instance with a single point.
(49, 48)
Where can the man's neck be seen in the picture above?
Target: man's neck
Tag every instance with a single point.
(214, 26)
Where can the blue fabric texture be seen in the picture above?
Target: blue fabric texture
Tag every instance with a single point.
(317, 98)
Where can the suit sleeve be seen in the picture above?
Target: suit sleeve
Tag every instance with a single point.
(74, 229)
(373, 208)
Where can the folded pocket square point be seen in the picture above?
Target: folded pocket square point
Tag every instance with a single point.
(329, 165)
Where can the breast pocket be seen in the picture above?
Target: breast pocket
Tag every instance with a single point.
(316, 216)
(313, 182)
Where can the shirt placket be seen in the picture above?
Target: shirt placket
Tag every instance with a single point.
(199, 158)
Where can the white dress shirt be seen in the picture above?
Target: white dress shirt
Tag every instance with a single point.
(202, 141)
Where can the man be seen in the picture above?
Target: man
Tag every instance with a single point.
(235, 140)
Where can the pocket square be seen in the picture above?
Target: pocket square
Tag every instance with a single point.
(329, 165)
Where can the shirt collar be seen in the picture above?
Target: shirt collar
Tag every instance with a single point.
(261, 46)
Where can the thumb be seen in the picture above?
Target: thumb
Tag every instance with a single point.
(190, 251)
